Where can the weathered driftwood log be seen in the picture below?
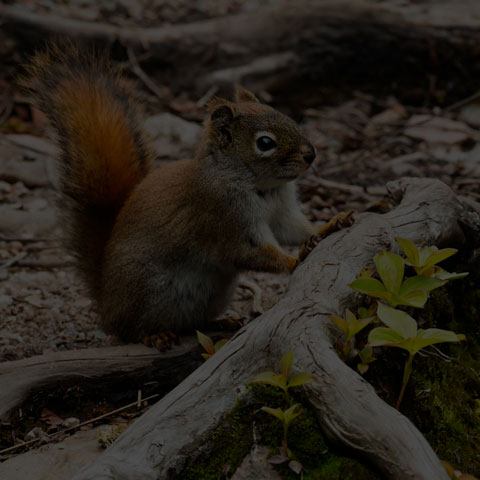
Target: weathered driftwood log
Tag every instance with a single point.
(93, 370)
(159, 443)
(426, 46)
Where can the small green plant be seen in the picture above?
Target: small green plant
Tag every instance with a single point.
(424, 260)
(392, 287)
(286, 417)
(366, 357)
(395, 289)
(282, 380)
(207, 343)
(350, 326)
(107, 437)
(402, 332)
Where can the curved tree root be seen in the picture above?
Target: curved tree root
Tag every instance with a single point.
(159, 443)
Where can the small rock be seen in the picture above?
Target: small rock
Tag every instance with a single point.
(82, 303)
(98, 335)
(71, 422)
(471, 114)
(171, 134)
(36, 432)
(437, 130)
(34, 300)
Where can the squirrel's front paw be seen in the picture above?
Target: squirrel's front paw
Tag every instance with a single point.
(339, 221)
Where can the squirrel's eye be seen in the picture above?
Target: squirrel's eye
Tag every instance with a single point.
(264, 143)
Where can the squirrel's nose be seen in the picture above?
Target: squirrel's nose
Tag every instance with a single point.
(308, 153)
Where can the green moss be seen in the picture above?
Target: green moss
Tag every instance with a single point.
(232, 442)
(319, 460)
(442, 399)
(443, 394)
(228, 446)
(446, 393)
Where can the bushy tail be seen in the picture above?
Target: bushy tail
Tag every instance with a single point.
(103, 150)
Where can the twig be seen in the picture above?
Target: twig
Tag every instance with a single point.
(14, 260)
(137, 70)
(210, 93)
(343, 187)
(86, 422)
(4, 238)
(45, 264)
(463, 102)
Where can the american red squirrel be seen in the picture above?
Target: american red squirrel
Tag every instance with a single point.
(161, 249)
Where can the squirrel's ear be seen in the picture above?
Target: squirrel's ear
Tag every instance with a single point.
(222, 114)
(243, 95)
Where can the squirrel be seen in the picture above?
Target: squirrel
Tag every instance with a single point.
(161, 249)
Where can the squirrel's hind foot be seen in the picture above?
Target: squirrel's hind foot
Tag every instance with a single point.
(162, 341)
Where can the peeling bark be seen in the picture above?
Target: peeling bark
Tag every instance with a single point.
(159, 443)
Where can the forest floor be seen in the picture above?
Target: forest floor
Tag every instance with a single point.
(362, 144)
(363, 141)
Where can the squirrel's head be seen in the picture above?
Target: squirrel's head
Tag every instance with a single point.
(268, 142)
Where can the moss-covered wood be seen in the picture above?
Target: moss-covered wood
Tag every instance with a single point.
(233, 440)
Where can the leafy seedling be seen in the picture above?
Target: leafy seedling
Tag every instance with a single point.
(281, 380)
(424, 260)
(391, 287)
(366, 357)
(207, 343)
(286, 417)
(350, 326)
(402, 332)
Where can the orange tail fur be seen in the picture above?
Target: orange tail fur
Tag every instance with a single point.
(104, 152)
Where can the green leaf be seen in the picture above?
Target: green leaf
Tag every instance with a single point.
(399, 321)
(390, 267)
(425, 252)
(444, 275)
(439, 256)
(425, 271)
(292, 413)
(271, 378)
(286, 364)
(358, 325)
(300, 379)
(366, 355)
(362, 368)
(383, 336)
(206, 342)
(368, 285)
(431, 336)
(416, 299)
(276, 412)
(363, 312)
(341, 323)
(220, 344)
(427, 284)
(410, 250)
